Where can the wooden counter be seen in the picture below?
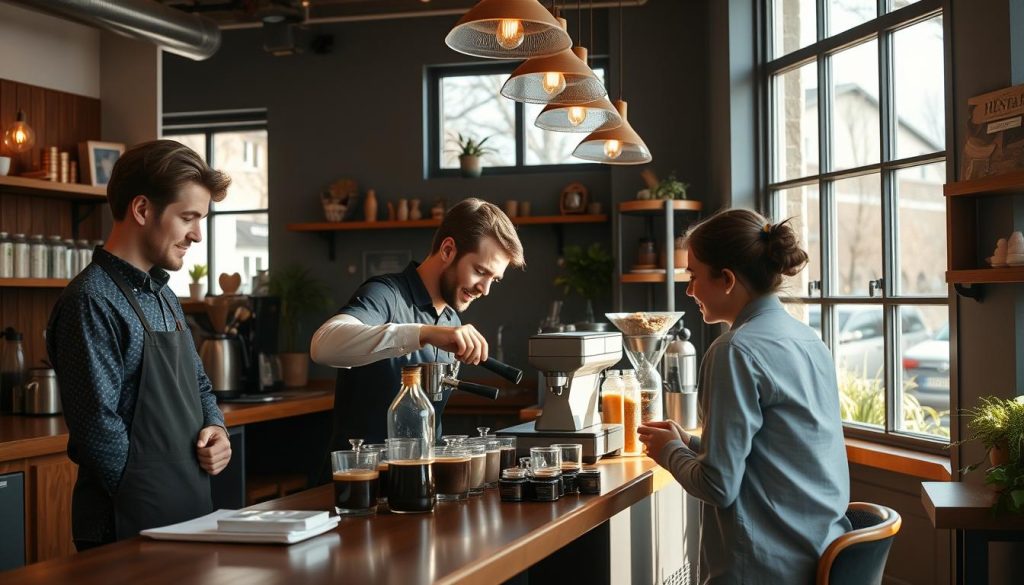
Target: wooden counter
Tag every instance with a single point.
(22, 437)
(476, 542)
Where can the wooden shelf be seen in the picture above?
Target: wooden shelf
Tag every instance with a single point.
(33, 282)
(653, 206)
(338, 226)
(1007, 184)
(651, 277)
(986, 275)
(40, 188)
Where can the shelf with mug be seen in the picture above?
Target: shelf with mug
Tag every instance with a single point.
(33, 282)
(41, 188)
(327, 229)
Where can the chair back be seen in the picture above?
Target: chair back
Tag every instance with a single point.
(858, 557)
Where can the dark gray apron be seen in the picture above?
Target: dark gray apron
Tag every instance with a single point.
(162, 481)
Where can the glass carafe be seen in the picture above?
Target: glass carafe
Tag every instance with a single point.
(411, 415)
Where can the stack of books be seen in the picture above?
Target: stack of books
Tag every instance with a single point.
(256, 526)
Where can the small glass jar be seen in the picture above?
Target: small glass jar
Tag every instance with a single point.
(646, 256)
(84, 254)
(56, 266)
(513, 484)
(70, 259)
(589, 481)
(611, 398)
(21, 256)
(6, 255)
(38, 257)
(477, 467)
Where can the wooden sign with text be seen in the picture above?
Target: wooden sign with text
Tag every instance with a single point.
(995, 134)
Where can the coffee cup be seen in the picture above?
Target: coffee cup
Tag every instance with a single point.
(5, 165)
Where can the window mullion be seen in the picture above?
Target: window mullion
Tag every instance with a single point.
(210, 259)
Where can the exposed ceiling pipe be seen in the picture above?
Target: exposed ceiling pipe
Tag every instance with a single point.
(189, 35)
(419, 13)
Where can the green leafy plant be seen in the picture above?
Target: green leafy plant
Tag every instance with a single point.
(301, 294)
(468, 146)
(670, 188)
(998, 424)
(197, 272)
(862, 399)
(588, 273)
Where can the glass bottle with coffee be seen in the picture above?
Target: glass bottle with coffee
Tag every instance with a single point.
(410, 444)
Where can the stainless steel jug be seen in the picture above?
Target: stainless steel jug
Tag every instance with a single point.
(222, 360)
(41, 394)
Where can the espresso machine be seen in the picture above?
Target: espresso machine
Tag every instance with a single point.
(571, 364)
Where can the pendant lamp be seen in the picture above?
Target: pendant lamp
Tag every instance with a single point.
(564, 78)
(20, 136)
(596, 115)
(508, 29)
(617, 146)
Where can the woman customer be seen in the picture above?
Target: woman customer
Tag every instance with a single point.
(770, 465)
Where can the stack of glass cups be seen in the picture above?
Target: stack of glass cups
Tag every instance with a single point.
(356, 482)
(572, 463)
(411, 487)
(507, 452)
(452, 465)
(546, 473)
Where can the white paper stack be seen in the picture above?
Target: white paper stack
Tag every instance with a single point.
(255, 526)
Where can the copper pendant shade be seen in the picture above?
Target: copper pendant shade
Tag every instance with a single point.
(564, 79)
(508, 29)
(596, 115)
(617, 146)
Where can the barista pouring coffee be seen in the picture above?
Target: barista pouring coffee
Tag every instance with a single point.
(143, 424)
(411, 317)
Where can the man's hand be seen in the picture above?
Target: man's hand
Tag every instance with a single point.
(468, 345)
(213, 449)
(656, 434)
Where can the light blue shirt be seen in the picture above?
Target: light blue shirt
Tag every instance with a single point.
(770, 467)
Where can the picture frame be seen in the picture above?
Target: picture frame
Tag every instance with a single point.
(380, 262)
(96, 161)
(574, 199)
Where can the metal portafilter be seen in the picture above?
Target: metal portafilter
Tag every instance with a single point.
(437, 376)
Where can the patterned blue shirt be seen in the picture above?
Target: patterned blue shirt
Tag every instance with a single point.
(95, 341)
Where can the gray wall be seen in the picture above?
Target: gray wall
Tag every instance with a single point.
(359, 112)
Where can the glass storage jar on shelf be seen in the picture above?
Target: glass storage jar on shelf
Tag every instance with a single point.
(38, 257)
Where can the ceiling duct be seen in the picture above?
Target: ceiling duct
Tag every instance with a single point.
(189, 35)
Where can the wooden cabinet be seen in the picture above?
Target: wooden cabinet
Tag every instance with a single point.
(965, 253)
(51, 481)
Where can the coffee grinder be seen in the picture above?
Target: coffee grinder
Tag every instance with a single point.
(571, 364)
(259, 337)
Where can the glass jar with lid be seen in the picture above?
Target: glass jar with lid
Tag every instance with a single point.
(56, 266)
(21, 256)
(646, 256)
(6, 255)
(38, 257)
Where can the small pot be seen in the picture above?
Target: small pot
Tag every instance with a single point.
(197, 290)
(470, 165)
(999, 454)
(295, 369)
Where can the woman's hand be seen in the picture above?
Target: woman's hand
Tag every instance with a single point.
(656, 434)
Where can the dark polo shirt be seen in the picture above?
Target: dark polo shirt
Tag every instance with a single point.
(363, 394)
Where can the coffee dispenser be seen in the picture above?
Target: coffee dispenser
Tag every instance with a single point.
(679, 372)
(259, 335)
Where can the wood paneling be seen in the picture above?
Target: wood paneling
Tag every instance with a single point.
(59, 119)
(53, 479)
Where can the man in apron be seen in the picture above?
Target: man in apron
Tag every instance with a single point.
(144, 427)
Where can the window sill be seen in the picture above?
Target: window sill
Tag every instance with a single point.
(898, 460)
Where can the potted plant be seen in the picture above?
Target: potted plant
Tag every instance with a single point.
(301, 294)
(670, 188)
(998, 424)
(470, 151)
(197, 288)
(588, 273)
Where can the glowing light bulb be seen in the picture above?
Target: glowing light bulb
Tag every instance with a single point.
(510, 33)
(577, 115)
(20, 136)
(612, 148)
(553, 83)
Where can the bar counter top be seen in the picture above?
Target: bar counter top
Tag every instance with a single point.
(482, 540)
(24, 436)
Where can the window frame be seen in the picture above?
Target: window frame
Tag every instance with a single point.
(881, 28)
(208, 124)
(432, 125)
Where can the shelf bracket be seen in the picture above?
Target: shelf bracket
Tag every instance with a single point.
(975, 291)
(559, 238)
(329, 237)
(79, 213)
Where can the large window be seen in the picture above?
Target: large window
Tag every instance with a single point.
(857, 153)
(236, 233)
(467, 100)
